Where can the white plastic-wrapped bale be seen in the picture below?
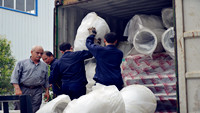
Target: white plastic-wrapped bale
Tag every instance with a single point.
(168, 41)
(103, 99)
(138, 22)
(138, 99)
(90, 20)
(90, 66)
(147, 41)
(56, 105)
(145, 32)
(125, 47)
(167, 17)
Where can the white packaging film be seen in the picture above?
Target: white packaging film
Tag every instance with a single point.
(90, 66)
(167, 17)
(138, 22)
(145, 32)
(125, 47)
(56, 105)
(138, 99)
(103, 99)
(168, 41)
(90, 20)
(148, 41)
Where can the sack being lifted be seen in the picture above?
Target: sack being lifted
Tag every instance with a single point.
(90, 20)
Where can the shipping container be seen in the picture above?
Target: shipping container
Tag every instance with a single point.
(117, 13)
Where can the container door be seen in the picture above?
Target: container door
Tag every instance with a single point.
(188, 54)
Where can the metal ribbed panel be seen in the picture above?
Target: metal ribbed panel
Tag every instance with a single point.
(25, 30)
(125, 8)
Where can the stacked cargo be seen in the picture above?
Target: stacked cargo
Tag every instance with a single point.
(149, 58)
(151, 66)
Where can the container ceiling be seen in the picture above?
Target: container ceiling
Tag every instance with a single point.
(124, 8)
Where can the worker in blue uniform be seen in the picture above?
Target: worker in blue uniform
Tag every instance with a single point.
(49, 59)
(71, 69)
(109, 58)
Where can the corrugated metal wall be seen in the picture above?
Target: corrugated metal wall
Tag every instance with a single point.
(25, 31)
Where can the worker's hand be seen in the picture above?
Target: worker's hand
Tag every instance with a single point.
(50, 85)
(92, 31)
(18, 91)
(46, 96)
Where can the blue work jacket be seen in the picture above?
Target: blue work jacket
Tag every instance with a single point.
(70, 68)
(109, 58)
(56, 86)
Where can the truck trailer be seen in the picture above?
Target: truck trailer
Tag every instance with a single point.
(68, 15)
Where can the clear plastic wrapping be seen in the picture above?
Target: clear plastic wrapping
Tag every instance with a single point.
(140, 21)
(167, 17)
(168, 41)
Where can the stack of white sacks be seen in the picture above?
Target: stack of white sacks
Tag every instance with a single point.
(100, 98)
(105, 99)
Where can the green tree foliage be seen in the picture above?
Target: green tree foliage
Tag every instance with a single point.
(7, 62)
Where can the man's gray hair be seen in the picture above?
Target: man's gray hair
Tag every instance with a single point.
(36, 46)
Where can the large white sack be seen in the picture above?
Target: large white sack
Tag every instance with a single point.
(103, 99)
(125, 47)
(167, 17)
(138, 22)
(56, 105)
(90, 66)
(90, 20)
(138, 99)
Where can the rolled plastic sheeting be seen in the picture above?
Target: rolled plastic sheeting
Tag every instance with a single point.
(147, 41)
(167, 17)
(138, 99)
(103, 99)
(56, 105)
(142, 21)
(168, 41)
(90, 20)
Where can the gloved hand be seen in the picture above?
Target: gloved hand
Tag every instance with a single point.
(92, 31)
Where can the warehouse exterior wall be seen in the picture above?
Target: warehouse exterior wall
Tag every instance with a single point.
(25, 31)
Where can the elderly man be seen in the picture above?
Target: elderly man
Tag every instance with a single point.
(49, 58)
(30, 76)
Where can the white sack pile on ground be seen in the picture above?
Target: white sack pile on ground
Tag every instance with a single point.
(90, 20)
(138, 99)
(167, 17)
(145, 32)
(168, 41)
(103, 99)
(56, 105)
